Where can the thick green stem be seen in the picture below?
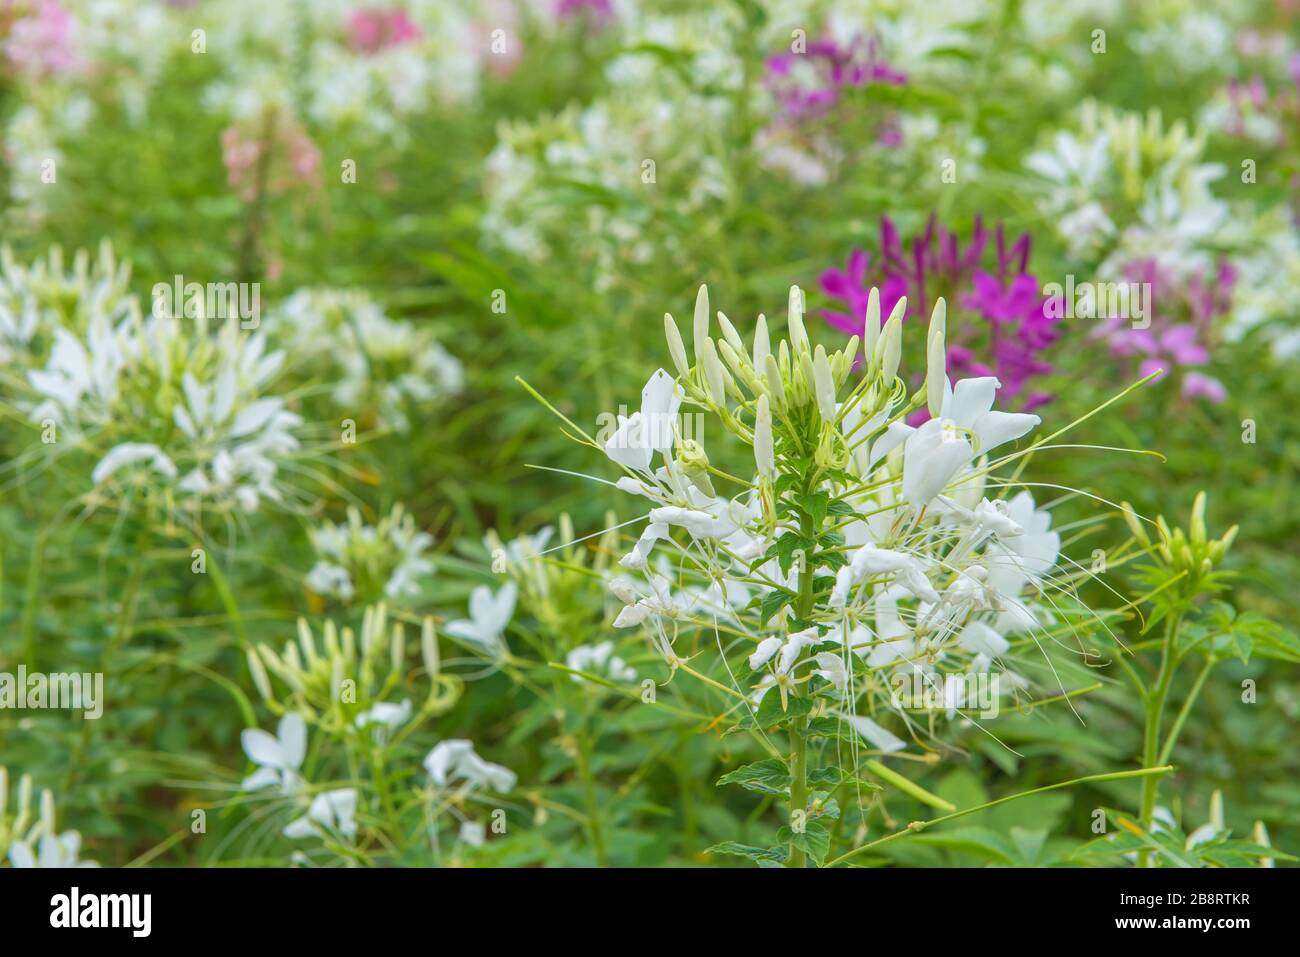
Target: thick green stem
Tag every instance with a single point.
(798, 763)
(798, 784)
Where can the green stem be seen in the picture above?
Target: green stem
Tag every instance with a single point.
(28, 627)
(1155, 706)
(589, 792)
(227, 597)
(917, 826)
(1172, 737)
(798, 727)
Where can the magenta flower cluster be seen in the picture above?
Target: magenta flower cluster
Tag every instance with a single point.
(1182, 320)
(809, 83)
(999, 323)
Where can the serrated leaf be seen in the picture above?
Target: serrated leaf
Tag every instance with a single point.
(750, 852)
(768, 776)
(772, 604)
(769, 712)
(814, 840)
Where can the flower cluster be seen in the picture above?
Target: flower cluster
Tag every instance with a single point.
(340, 686)
(176, 409)
(389, 369)
(1003, 325)
(370, 563)
(1122, 186)
(1185, 321)
(32, 840)
(858, 532)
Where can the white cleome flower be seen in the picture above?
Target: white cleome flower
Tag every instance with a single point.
(455, 762)
(330, 814)
(489, 614)
(279, 757)
(382, 561)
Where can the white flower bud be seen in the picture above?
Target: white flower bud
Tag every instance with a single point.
(701, 321)
(730, 335)
(714, 374)
(872, 332)
(889, 350)
(764, 456)
(798, 336)
(938, 322)
(824, 385)
(261, 681)
(846, 359)
(774, 383)
(762, 345)
(429, 647)
(676, 348)
(936, 375)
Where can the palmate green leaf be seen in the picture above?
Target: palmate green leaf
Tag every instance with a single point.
(762, 856)
(768, 776)
(784, 550)
(814, 505)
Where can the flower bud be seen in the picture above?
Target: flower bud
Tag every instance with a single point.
(936, 375)
(701, 321)
(261, 680)
(694, 463)
(774, 384)
(798, 335)
(762, 345)
(849, 354)
(871, 333)
(764, 456)
(676, 348)
(397, 647)
(805, 381)
(824, 385)
(889, 350)
(429, 647)
(713, 373)
(1197, 528)
(730, 335)
(1134, 524)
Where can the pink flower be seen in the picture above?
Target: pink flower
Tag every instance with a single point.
(1196, 385)
(291, 156)
(372, 29)
(1179, 328)
(41, 42)
(600, 11)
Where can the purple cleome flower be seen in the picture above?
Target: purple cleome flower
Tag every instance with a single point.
(1015, 324)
